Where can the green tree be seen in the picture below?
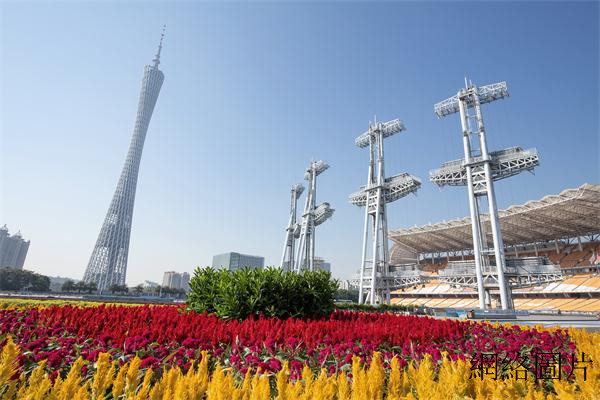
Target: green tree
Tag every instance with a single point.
(139, 289)
(39, 283)
(114, 288)
(91, 287)
(17, 279)
(80, 286)
(12, 279)
(68, 286)
(343, 294)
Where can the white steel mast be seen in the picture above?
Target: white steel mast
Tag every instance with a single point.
(292, 232)
(376, 278)
(312, 216)
(478, 172)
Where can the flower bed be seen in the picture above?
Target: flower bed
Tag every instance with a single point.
(134, 351)
(166, 335)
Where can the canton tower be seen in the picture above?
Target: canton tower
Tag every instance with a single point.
(108, 262)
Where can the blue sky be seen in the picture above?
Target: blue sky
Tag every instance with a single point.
(252, 93)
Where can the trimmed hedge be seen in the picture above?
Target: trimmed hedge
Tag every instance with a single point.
(271, 292)
(370, 308)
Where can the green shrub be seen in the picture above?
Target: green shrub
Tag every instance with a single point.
(271, 292)
(370, 308)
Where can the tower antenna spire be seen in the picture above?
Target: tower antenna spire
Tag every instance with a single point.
(157, 57)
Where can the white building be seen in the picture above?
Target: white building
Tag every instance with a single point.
(322, 264)
(13, 249)
(176, 280)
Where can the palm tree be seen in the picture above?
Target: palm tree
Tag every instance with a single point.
(114, 288)
(91, 287)
(139, 289)
(68, 286)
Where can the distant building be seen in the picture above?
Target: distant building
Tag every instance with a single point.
(322, 264)
(176, 280)
(234, 261)
(150, 284)
(171, 279)
(56, 282)
(185, 281)
(13, 249)
(344, 284)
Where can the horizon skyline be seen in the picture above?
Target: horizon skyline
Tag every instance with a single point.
(236, 129)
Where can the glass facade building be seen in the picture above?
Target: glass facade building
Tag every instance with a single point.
(233, 261)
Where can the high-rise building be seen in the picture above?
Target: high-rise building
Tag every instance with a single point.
(233, 261)
(13, 249)
(322, 264)
(185, 281)
(171, 279)
(108, 262)
(344, 284)
(176, 280)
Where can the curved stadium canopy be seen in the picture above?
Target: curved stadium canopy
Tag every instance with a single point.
(571, 213)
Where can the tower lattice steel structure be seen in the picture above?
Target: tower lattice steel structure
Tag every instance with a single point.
(312, 217)
(376, 279)
(478, 171)
(292, 232)
(108, 262)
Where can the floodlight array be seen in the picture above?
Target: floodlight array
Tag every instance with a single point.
(394, 188)
(317, 166)
(504, 163)
(298, 188)
(322, 213)
(486, 94)
(401, 185)
(387, 129)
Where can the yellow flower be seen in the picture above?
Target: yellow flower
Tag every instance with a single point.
(8, 361)
(343, 390)
(282, 381)
(132, 377)
(375, 377)
(119, 383)
(103, 377)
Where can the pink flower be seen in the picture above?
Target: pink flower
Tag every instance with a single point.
(150, 361)
(274, 365)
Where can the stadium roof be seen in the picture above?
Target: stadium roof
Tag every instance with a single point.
(571, 213)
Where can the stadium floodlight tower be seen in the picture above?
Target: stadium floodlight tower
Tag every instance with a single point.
(292, 232)
(312, 217)
(478, 171)
(375, 278)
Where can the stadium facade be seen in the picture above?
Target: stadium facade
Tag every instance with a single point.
(552, 248)
(108, 263)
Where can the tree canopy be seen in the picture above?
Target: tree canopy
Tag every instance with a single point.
(20, 279)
